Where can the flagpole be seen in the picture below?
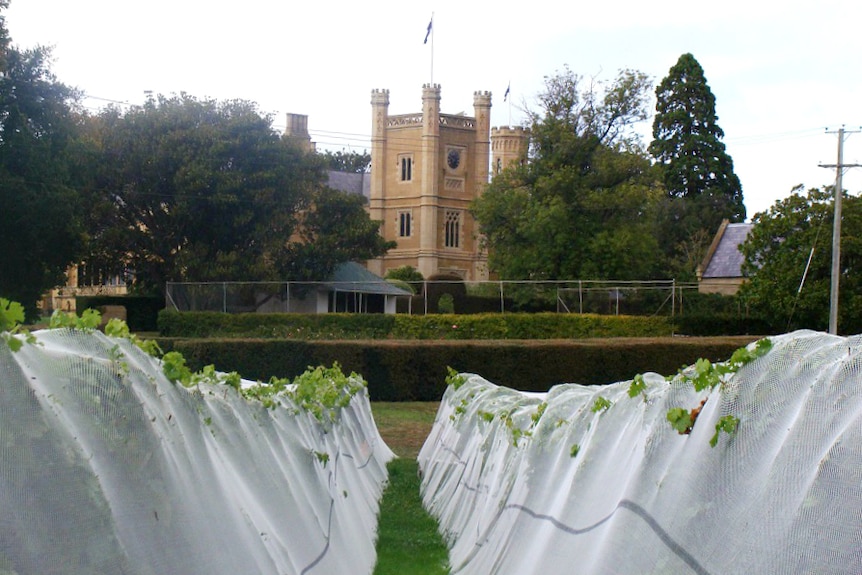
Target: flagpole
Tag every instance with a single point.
(432, 47)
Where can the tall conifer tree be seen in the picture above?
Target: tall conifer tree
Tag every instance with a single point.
(702, 188)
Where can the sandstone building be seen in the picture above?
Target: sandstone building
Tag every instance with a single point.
(426, 169)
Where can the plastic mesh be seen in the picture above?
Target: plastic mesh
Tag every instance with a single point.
(108, 468)
(620, 491)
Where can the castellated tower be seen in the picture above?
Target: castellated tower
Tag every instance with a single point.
(508, 145)
(426, 169)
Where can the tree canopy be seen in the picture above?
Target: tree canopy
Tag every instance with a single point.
(200, 190)
(701, 186)
(353, 162)
(41, 231)
(777, 253)
(580, 207)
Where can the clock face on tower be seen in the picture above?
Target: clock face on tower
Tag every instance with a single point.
(453, 158)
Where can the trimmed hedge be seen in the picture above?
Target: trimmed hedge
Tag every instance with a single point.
(724, 323)
(416, 370)
(337, 326)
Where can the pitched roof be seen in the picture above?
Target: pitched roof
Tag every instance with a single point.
(353, 277)
(724, 260)
(351, 182)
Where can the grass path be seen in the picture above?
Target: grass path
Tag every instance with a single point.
(408, 542)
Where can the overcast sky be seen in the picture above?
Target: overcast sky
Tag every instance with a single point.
(783, 75)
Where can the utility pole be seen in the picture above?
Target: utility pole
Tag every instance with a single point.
(836, 228)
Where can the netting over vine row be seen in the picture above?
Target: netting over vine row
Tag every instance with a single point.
(589, 480)
(109, 468)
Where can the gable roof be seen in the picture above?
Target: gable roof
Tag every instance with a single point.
(723, 259)
(353, 277)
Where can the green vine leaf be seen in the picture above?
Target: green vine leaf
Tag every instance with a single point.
(322, 457)
(453, 378)
(120, 329)
(537, 415)
(601, 404)
(680, 420)
(11, 314)
(88, 321)
(117, 328)
(324, 391)
(638, 386)
(175, 369)
(11, 318)
(705, 375)
(728, 424)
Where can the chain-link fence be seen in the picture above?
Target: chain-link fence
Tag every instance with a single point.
(657, 297)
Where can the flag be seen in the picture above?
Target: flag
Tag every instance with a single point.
(428, 33)
(506, 95)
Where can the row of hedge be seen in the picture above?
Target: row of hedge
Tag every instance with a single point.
(416, 370)
(338, 326)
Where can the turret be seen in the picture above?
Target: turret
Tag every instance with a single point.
(508, 144)
(482, 111)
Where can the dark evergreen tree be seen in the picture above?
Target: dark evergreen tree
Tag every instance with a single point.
(41, 230)
(697, 172)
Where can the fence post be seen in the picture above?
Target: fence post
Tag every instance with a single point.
(673, 304)
(580, 297)
(224, 297)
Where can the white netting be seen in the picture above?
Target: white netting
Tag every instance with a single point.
(620, 491)
(109, 468)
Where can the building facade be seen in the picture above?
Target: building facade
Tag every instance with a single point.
(426, 169)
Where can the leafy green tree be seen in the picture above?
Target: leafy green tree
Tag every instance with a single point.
(702, 188)
(405, 274)
(199, 190)
(334, 229)
(41, 232)
(581, 206)
(777, 253)
(409, 276)
(353, 162)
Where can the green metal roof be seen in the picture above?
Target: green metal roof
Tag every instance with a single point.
(353, 277)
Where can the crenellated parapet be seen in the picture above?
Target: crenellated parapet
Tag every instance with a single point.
(508, 144)
(515, 131)
(379, 97)
(482, 99)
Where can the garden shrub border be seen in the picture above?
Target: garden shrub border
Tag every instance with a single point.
(415, 370)
(337, 326)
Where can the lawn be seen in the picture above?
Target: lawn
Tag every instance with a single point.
(405, 425)
(408, 542)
